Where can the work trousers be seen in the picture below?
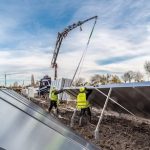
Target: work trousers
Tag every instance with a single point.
(53, 104)
(86, 111)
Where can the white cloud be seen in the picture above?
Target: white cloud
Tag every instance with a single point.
(122, 30)
(105, 44)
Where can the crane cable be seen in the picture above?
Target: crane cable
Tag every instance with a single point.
(84, 52)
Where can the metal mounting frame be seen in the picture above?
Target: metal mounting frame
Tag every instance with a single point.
(96, 132)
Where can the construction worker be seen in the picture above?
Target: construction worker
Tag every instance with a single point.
(53, 95)
(83, 103)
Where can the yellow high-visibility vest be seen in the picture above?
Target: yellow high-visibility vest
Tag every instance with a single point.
(81, 101)
(53, 97)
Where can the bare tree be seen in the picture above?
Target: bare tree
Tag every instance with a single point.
(131, 75)
(115, 79)
(138, 76)
(147, 68)
(125, 77)
(108, 78)
(104, 79)
(95, 79)
(128, 76)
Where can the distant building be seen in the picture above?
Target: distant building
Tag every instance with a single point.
(15, 84)
(32, 80)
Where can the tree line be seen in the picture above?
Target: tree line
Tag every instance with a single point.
(129, 76)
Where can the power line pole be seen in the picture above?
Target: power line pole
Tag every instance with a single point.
(5, 80)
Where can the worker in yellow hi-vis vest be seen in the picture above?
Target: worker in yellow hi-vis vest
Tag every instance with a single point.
(53, 96)
(83, 104)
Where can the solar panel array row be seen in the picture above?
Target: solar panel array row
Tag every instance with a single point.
(24, 125)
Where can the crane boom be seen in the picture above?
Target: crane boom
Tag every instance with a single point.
(60, 38)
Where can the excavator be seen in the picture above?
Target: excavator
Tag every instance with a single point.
(44, 88)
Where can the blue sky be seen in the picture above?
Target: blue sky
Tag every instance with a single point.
(120, 42)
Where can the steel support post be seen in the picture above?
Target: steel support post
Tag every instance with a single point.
(80, 120)
(96, 132)
(5, 81)
(72, 118)
(115, 102)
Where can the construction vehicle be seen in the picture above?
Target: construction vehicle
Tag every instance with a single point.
(45, 83)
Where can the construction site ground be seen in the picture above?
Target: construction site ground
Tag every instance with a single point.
(117, 131)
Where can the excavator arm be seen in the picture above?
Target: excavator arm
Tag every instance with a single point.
(60, 38)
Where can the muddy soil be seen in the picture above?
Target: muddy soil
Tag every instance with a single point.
(120, 132)
(117, 131)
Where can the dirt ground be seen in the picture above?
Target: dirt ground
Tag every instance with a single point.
(117, 131)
